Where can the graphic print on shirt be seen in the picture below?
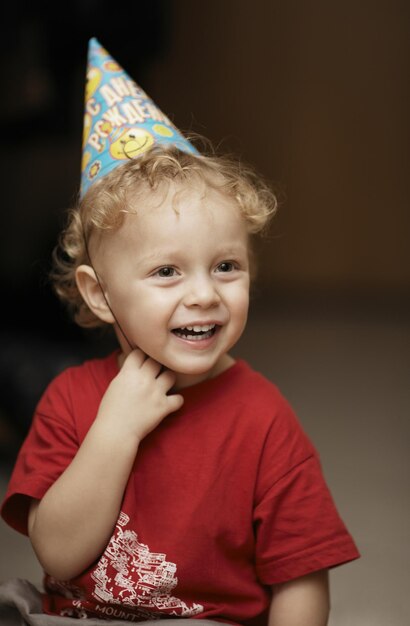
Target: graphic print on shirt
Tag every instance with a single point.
(130, 574)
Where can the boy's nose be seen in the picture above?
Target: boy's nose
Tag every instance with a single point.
(201, 292)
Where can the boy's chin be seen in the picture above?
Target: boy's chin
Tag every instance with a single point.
(202, 371)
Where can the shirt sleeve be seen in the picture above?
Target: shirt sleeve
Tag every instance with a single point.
(298, 528)
(48, 449)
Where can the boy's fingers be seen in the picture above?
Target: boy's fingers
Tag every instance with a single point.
(167, 379)
(175, 401)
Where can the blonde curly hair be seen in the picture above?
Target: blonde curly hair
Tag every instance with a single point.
(104, 206)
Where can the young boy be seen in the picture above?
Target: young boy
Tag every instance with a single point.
(168, 479)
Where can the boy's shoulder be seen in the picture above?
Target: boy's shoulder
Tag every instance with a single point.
(258, 416)
(274, 424)
(77, 390)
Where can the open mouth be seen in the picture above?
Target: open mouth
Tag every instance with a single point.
(196, 333)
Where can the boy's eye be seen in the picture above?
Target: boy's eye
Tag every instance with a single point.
(166, 272)
(226, 266)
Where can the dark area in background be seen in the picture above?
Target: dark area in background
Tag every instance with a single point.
(43, 52)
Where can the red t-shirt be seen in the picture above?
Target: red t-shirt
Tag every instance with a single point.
(226, 498)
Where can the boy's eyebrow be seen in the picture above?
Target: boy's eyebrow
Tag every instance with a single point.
(157, 256)
(163, 255)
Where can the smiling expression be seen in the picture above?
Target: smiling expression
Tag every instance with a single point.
(178, 280)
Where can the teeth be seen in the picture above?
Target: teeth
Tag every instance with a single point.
(206, 331)
(198, 337)
(199, 329)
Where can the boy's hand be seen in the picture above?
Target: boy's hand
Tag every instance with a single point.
(136, 400)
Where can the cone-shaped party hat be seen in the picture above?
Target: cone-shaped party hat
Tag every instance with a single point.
(120, 120)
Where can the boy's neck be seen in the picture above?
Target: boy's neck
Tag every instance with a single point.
(188, 380)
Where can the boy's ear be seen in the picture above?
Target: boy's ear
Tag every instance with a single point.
(92, 293)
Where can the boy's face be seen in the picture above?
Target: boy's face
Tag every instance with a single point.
(178, 281)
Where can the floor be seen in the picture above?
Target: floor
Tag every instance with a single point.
(345, 368)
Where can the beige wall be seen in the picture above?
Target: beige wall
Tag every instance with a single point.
(316, 95)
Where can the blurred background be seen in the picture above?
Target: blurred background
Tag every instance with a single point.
(316, 95)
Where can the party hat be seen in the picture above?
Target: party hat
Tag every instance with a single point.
(120, 120)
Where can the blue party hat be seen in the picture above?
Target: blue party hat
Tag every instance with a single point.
(120, 120)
